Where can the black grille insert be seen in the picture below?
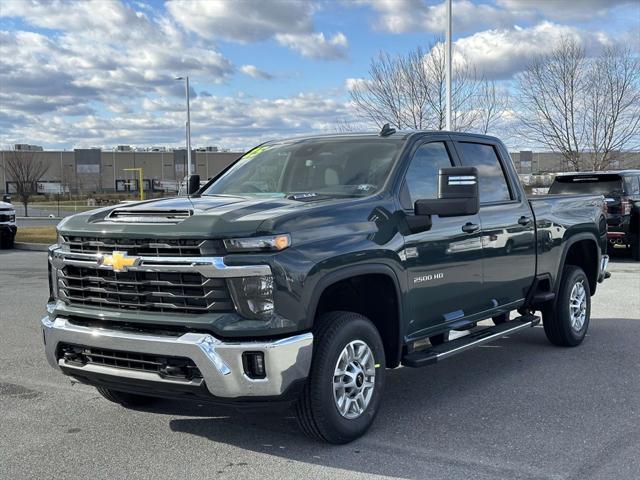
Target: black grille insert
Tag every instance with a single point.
(166, 367)
(165, 292)
(145, 246)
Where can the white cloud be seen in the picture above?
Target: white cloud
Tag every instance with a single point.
(100, 52)
(289, 22)
(563, 9)
(236, 122)
(316, 45)
(255, 72)
(242, 21)
(351, 83)
(499, 53)
(403, 16)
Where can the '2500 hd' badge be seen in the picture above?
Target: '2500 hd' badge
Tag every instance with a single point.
(428, 278)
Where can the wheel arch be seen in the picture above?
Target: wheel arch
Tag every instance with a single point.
(387, 317)
(582, 251)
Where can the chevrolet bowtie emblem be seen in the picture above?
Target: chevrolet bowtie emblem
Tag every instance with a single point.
(119, 261)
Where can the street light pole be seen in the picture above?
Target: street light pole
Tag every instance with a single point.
(448, 60)
(189, 166)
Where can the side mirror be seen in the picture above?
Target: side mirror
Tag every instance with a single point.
(457, 194)
(6, 199)
(193, 184)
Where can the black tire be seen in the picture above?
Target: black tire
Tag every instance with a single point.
(635, 247)
(316, 409)
(557, 318)
(125, 399)
(7, 242)
(502, 318)
(508, 248)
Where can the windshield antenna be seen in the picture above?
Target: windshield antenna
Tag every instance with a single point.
(387, 130)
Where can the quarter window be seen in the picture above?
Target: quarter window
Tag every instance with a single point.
(422, 175)
(492, 183)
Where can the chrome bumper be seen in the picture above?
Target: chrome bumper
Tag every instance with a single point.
(220, 363)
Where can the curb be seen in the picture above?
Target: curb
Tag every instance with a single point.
(34, 247)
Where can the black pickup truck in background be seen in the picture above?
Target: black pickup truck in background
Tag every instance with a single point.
(622, 194)
(311, 266)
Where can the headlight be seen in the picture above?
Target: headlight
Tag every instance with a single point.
(253, 296)
(60, 241)
(272, 243)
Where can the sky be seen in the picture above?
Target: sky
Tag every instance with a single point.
(102, 73)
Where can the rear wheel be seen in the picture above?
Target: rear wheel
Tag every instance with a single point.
(344, 388)
(125, 399)
(566, 322)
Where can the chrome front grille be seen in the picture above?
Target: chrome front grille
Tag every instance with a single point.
(147, 247)
(171, 292)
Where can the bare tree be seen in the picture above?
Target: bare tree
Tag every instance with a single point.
(380, 97)
(550, 89)
(491, 105)
(409, 91)
(583, 108)
(613, 106)
(25, 169)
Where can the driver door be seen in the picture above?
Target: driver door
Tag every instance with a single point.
(444, 263)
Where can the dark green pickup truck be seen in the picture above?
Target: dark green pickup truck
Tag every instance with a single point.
(310, 266)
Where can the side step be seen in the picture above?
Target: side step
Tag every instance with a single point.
(448, 349)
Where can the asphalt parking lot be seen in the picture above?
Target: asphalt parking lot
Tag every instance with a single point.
(516, 409)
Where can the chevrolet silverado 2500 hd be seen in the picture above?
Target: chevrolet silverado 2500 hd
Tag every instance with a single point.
(311, 266)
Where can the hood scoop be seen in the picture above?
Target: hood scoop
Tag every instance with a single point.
(156, 215)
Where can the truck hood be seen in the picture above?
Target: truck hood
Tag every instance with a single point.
(203, 217)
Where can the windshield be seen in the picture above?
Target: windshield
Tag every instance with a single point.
(596, 185)
(326, 167)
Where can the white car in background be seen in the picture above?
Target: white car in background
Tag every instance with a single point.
(8, 226)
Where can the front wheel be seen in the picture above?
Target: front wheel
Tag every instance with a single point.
(566, 322)
(7, 242)
(344, 388)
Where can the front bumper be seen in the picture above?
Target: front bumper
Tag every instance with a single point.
(287, 360)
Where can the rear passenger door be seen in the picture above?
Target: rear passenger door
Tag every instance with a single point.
(508, 230)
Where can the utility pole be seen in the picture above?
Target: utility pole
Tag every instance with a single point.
(448, 60)
(188, 125)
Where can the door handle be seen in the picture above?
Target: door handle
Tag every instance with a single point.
(470, 227)
(524, 221)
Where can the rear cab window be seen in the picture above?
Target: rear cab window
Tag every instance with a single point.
(606, 184)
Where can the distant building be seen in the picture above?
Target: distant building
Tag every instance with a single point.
(25, 147)
(100, 171)
(536, 163)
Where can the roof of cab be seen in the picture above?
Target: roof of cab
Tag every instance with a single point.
(599, 172)
(399, 134)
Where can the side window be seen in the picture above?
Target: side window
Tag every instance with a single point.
(492, 183)
(633, 185)
(421, 179)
